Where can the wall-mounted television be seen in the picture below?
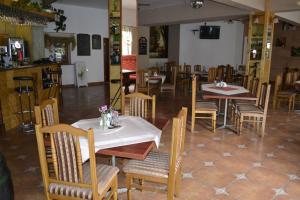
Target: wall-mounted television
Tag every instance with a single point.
(209, 32)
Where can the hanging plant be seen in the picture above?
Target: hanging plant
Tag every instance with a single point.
(60, 20)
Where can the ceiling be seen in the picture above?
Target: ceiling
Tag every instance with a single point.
(97, 3)
(86, 3)
(278, 6)
(285, 5)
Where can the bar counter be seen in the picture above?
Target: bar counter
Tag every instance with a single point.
(9, 97)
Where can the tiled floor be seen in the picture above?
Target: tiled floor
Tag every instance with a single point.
(216, 166)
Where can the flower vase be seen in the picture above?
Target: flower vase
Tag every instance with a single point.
(103, 121)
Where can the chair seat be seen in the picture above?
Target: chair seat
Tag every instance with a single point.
(239, 102)
(155, 164)
(105, 175)
(249, 109)
(285, 94)
(211, 106)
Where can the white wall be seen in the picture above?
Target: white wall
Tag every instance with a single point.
(89, 21)
(226, 50)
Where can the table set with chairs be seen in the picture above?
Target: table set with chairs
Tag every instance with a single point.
(247, 104)
(68, 153)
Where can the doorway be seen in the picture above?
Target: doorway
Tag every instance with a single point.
(106, 59)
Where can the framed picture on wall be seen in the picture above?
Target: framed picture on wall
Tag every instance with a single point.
(83, 45)
(159, 41)
(143, 46)
(96, 41)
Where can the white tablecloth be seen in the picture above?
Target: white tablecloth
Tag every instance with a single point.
(133, 130)
(235, 89)
(158, 76)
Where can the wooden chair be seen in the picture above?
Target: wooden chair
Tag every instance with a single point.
(252, 113)
(46, 113)
(220, 72)
(229, 74)
(212, 74)
(171, 86)
(141, 84)
(153, 70)
(197, 68)
(245, 81)
(73, 179)
(279, 95)
(161, 168)
(288, 81)
(139, 105)
(55, 86)
(183, 77)
(209, 108)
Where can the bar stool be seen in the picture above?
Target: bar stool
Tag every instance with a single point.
(25, 87)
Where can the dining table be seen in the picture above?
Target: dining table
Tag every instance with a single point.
(211, 91)
(134, 138)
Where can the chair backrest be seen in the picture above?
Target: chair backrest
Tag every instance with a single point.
(295, 75)
(187, 69)
(220, 72)
(141, 81)
(46, 113)
(264, 96)
(174, 75)
(139, 105)
(288, 80)
(197, 68)
(229, 73)
(212, 73)
(177, 144)
(278, 84)
(66, 155)
(254, 86)
(245, 81)
(194, 91)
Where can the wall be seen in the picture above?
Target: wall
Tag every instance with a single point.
(281, 56)
(226, 50)
(89, 21)
(174, 39)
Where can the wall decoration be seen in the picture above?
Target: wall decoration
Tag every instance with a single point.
(96, 41)
(143, 45)
(60, 20)
(295, 51)
(83, 45)
(159, 41)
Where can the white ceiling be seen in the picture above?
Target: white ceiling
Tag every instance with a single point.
(86, 3)
(97, 3)
(276, 5)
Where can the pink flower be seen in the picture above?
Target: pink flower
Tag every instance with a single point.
(103, 108)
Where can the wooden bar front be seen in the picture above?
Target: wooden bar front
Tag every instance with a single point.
(9, 98)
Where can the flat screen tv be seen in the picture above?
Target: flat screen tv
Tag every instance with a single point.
(209, 32)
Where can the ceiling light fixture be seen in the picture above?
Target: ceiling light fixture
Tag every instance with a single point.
(197, 3)
(298, 3)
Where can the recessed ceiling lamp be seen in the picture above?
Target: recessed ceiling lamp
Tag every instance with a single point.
(298, 3)
(197, 3)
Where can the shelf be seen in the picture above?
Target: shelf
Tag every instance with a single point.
(49, 16)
